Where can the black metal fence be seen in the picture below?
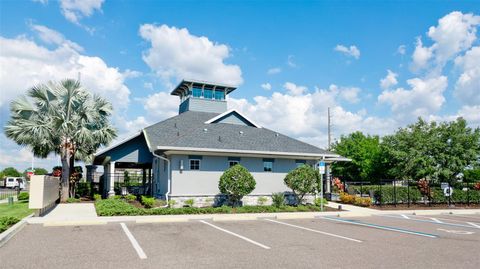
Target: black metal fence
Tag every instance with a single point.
(409, 192)
(135, 182)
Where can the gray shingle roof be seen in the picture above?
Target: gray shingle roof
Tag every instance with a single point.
(189, 130)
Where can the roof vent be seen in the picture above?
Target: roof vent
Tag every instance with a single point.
(178, 133)
(205, 130)
(277, 135)
(175, 124)
(219, 139)
(241, 132)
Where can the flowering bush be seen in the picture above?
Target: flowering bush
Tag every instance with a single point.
(477, 186)
(338, 185)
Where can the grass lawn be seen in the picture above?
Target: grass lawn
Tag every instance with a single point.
(18, 210)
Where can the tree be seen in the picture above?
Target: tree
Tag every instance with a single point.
(365, 152)
(36, 171)
(434, 151)
(61, 118)
(236, 182)
(11, 172)
(302, 180)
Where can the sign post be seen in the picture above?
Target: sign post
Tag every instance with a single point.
(321, 169)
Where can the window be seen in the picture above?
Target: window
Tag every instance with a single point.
(219, 95)
(232, 163)
(194, 164)
(268, 165)
(208, 93)
(197, 92)
(299, 163)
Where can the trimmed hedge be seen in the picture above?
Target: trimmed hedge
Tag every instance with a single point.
(385, 194)
(116, 207)
(7, 222)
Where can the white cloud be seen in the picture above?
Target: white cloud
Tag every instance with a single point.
(352, 51)
(349, 94)
(51, 36)
(294, 89)
(177, 54)
(43, 2)
(75, 10)
(304, 116)
(137, 124)
(455, 33)
(28, 63)
(402, 49)
(274, 70)
(266, 86)
(471, 114)
(161, 105)
(290, 61)
(21, 157)
(467, 87)
(389, 81)
(423, 99)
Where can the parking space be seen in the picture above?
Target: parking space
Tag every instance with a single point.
(379, 241)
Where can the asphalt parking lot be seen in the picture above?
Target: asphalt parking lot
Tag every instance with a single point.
(393, 241)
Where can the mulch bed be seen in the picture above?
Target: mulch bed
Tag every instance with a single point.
(426, 207)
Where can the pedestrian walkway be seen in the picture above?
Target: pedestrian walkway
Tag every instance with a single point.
(68, 212)
(354, 209)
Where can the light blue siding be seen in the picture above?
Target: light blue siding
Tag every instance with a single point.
(203, 105)
(135, 150)
(234, 118)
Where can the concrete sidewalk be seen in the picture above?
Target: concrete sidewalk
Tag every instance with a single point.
(85, 214)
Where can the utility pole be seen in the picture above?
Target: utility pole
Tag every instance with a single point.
(329, 130)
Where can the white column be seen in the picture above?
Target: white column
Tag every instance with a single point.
(329, 181)
(111, 166)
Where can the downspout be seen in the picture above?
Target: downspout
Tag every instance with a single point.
(168, 175)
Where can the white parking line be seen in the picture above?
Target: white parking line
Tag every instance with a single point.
(381, 227)
(436, 220)
(474, 224)
(315, 231)
(134, 242)
(404, 216)
(237, 235)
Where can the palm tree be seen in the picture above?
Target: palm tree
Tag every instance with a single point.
(62, 118)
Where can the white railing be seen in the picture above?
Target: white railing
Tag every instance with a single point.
(44, 192)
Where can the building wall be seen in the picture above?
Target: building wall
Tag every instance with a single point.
(205, 181)
(203, 105)
(135, 151)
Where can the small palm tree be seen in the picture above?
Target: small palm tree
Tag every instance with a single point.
(62, 118)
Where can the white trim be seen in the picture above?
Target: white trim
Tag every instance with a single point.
(117, 144)
(146, 139)
(273, 153)
(229, 112)
(338, 159)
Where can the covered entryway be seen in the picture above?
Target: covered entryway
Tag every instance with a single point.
(127, 168)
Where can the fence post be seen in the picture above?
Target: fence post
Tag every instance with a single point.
(468, 194)
(380, 195)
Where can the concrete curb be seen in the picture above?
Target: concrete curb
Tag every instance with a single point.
(191, 218)
(10, 232)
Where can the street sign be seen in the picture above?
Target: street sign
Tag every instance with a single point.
(448, 191)
(321, 167)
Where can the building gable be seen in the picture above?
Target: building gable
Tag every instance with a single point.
(233, 117)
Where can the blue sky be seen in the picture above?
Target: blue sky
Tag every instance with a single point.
(290, 59)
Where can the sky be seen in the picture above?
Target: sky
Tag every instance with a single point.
(378, 65)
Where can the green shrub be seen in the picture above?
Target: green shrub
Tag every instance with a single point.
(386, 193)
(130, 197)
(23, 196)
(97, 197)
(83, 189)
(362, 201)
(302, 180)
(147, 202)
(73, 200)
(6, 222)
(236, 182)
(189, 202)
(318, 200)
(171, 203)
(262, 200)
(113, 207)
(278, 199)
